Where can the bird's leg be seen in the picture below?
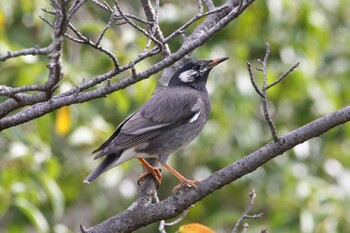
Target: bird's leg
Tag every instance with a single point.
(183, 180)
(155, 171)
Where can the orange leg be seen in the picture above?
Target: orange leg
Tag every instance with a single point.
(183, 180)
(155, 171)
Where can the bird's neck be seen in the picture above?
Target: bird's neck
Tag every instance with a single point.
(200, 86)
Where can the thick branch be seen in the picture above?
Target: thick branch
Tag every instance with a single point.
(139, 214)
(201, 34)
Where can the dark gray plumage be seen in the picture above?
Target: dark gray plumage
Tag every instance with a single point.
(170, 119)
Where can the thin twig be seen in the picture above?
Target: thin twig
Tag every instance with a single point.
(252, 80)
(264, 93)
(254, 216)
(69, 37)
(121, 13)
(79, 34)
(285, 74)
(152, 15)
(85, 40)
(161, 227)
(200, 6)
(245, 227)
(108, 25)
(264, 63)
(153, 27)
(139, 19)
(46, 21)
(103, 5)
(164, 224)
(245, 215)
(109, 9)
(181, 29)
(52, 12)
(74, 7)
(182, 217)
(209, 4)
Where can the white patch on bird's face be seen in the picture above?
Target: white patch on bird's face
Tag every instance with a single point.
(188, 76)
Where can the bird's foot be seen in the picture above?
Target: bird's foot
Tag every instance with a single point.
(188, 183)
(155, 172)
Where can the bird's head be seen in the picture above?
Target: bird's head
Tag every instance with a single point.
(194, 73)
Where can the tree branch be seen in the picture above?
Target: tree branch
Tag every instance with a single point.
(31, 51)
(41, 106)
(142, 212)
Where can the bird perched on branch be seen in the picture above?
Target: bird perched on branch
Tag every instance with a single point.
(169, 120)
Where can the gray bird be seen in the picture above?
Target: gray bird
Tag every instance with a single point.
(169, 120)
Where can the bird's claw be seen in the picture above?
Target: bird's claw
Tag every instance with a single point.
(188, 183)
(155, 172)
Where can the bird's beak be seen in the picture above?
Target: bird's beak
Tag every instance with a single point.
(216, 61)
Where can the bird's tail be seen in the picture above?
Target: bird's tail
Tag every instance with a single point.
(106, 164)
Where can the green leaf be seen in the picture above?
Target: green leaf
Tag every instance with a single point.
(55, 195)
(33, 214)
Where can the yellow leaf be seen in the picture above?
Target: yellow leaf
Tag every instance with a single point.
(63, 121)
(2, 21)
(195, 228)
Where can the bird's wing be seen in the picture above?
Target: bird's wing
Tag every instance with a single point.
(164, 111)
(115, 134)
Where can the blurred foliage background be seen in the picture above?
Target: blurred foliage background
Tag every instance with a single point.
(43, 162)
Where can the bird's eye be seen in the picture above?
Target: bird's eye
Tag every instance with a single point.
(197, 67)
